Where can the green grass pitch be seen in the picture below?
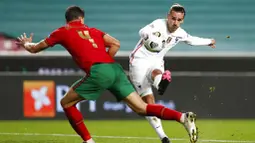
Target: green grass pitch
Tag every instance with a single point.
(131, 131)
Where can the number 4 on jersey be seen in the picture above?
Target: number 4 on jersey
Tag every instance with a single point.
(85, 35)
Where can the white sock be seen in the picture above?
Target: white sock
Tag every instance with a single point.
(157, 126)
(90, 141)
(182, 118)
(157, 80)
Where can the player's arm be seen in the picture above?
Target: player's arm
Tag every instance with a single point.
(197, 41)
(27, 43)
(112, 43)
(146, 31)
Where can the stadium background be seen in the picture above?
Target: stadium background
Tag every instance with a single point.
(217, 84)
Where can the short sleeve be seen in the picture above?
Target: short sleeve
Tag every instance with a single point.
(54, 38)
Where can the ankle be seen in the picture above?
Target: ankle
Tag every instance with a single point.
(89, 141)
(182, 118)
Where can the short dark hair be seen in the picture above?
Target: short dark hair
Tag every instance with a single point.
(74, 12)
(177, 8)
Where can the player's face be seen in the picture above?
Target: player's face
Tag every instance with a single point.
(174, 20)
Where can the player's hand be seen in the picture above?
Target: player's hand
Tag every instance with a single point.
(212, 44)
(23, 39)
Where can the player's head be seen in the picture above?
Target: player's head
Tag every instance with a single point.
(74, 13)
(175, 17)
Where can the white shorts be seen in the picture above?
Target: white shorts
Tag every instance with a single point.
(140, 71)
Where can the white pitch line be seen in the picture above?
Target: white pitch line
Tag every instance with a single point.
(125, 137)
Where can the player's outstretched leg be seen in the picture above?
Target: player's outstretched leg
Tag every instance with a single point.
(187, 119)
(166, 79)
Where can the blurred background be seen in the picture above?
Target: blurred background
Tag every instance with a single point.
(217, 84)
(123, 19)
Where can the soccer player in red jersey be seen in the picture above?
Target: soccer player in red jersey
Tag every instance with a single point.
(93, 51)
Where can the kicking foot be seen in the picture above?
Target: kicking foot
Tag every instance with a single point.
(166, 79)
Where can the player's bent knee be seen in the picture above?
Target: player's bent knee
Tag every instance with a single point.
(63, 102)
(149, 99)
(156, 72)
(71, 98)
(67, 102)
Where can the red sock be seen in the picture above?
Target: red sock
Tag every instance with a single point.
(162, 112)
(76, 120)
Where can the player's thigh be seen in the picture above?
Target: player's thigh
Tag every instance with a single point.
(135, 102)
(160, 65)
(138, 77)
(122, 87)
(103, 75)
(137, 73)
(87, 88)
(156, 65)
(145, 89)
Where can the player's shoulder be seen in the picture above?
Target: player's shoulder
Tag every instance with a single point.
(96, 30)
(93, 29)
(59, 30)
(180, 32)
(159, 22)
(62, 28)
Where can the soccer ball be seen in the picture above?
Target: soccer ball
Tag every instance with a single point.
(154, 43)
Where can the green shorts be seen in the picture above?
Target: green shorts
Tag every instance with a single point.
(105, 76)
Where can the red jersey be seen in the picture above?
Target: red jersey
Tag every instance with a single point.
(86, 45)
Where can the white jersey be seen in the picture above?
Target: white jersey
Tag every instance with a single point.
(159, 26)
(144, 59)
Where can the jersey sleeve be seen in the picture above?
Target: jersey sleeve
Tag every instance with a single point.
(54, 38)
(149, 29)
(196, 41)
(99, 32)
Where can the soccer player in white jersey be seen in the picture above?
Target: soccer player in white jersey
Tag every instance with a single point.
(147, 66)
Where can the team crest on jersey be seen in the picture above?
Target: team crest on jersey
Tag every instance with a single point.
(158, 34)
(168, 39)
